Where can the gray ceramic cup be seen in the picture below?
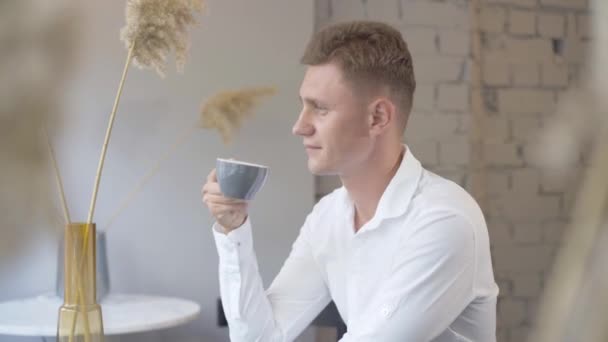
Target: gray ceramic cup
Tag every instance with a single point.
(238, 179)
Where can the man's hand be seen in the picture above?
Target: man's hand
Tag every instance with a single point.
(230, 213)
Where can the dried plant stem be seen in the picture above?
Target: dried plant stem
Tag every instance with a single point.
(182, 138)
(107, 138)
(579, 240)
(64, 203)
(97, 181)
(80, 298)
(87, 329)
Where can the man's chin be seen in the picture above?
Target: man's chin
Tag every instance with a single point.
(314, 168)
(320, 170)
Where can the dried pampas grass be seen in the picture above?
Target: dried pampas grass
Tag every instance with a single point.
(36, 50)
(226, 110)
(155, 27)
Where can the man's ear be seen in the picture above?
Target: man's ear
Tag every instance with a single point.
(382, 114)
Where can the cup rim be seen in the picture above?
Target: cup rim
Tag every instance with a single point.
(239, 162)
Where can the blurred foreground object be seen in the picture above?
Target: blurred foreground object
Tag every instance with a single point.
(36, 46)
(575, 301)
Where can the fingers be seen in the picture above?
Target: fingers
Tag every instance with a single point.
(212, 177)
(225, 213)
(220, 199)
(230, 213)
(221, 210)
(226, 210)
(211, 188)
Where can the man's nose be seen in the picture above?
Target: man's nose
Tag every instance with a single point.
(302, 127)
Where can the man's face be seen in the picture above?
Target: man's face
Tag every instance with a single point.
(334, 124)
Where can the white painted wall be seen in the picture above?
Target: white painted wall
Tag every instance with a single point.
(163, 243)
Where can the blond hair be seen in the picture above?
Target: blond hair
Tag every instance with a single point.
(369, 53)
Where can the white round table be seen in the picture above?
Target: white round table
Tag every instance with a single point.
(122, 314)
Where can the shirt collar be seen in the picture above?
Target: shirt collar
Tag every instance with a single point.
(398, 194)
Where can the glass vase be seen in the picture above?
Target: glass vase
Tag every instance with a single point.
(102, 285)
(80, 318)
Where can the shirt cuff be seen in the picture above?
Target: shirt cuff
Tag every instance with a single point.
(234, 244)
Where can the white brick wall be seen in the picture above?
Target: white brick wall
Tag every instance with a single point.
(383, 10)
(554, 75)
(527, 285)
(528, 50)
(455, 43)
(502, 154)
(511, 312)
(453, 97)
(435, 127)
(342, 10)
(525, 101)
(582, 26)
(424, 100)
(551, 25)
(525, 74)
(437, 69)
(522, 22)
(493, 19)
(522, 258)
(567, 4)
(528, 233)
(495, 70)
(427, 152)
(446, 14)
(527, 210)
(455, 152)
(421, 40)
(532, 50)
(525, 128)
(514, 3)
(497, 129)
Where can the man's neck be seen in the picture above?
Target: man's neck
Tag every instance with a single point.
(366, 186)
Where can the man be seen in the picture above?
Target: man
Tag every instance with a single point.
(402, 252)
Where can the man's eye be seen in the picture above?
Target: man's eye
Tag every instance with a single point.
(320, 108)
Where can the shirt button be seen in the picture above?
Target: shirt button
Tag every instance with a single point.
(385, 311)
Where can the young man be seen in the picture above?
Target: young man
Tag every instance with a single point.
(403, 253)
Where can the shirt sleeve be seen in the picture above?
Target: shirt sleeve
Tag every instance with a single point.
(431, 284)
(281, 313)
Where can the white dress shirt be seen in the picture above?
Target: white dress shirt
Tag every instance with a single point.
(419, 270)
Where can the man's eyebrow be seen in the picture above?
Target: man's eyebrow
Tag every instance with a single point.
(309, 100)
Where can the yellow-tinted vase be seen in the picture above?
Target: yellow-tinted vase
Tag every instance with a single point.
(80, 318)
